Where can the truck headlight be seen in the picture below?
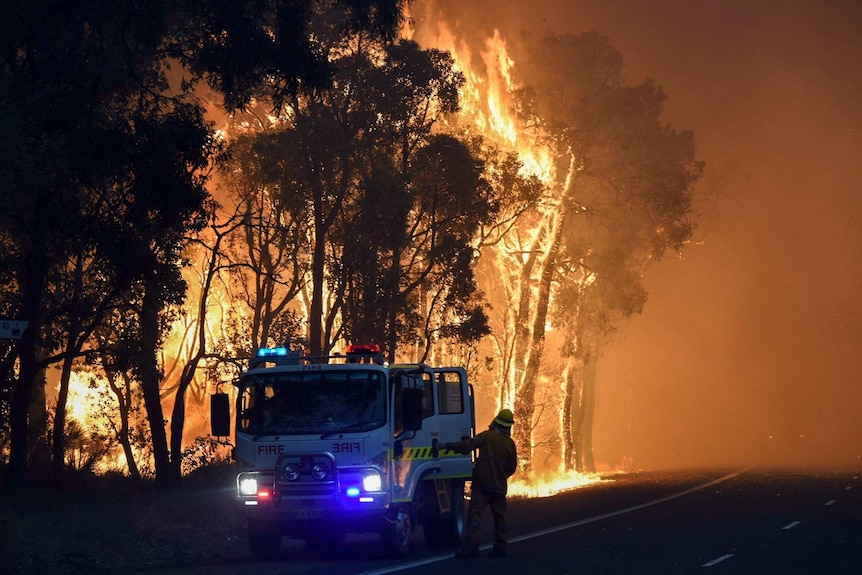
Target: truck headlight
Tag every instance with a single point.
(247, 484)
(291, 471)
(320, 471)
(371, 480)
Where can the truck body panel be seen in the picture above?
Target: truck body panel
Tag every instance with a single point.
(326, 446)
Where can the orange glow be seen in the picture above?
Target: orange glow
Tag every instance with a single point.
(79, 403)
(547, 486)
(92, 406)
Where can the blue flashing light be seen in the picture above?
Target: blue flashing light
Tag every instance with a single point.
(352, 491)
(272, 352)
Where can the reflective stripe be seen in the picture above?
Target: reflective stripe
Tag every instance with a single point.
(412, 453)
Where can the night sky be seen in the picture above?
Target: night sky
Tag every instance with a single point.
(748, 349)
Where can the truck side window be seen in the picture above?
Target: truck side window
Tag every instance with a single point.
(427, 397)
(398, 415)
(449, 392)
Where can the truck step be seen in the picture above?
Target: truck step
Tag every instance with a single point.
(442, 495)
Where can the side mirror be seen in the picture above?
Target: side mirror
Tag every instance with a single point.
(220, 414)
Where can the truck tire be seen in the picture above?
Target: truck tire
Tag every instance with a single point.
(447, 529)
(395, 534)
(454, 523)
(264, 539)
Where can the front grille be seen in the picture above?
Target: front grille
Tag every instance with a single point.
(310, 475)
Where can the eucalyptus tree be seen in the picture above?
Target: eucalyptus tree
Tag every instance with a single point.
(410, 272)
(362, 160)
(268, 262)
(407, 256)
(626, 200)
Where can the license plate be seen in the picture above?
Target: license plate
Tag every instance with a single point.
(305, 513)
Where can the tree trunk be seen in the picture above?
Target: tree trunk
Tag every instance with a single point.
(523, 431)
(150, 377)
(39, 435)
(124, 401)
(585, 445)
(522, 318)
(33, 278)
(315, 316)
(525, 399)
(178, 419)
(58, 446)
(568, 406)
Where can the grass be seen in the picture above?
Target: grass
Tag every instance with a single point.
(115, 525)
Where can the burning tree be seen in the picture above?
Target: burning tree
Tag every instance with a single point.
(618, 186)
(627, 200)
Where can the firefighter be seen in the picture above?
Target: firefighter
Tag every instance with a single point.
(496, 462)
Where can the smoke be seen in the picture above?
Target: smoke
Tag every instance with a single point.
(746, 352)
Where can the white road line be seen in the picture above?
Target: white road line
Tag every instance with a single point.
(717, 560)
(449, 554)
(791, 525)
(828, 503)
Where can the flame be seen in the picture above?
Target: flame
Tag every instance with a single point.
(81, 399)
(487, 100)
(90, 405)
(548, 485)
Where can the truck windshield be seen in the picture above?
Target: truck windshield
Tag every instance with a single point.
(311, 402)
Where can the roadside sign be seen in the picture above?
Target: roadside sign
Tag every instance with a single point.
(12, 328)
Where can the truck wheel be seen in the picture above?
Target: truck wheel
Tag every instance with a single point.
(454, 524)
(446, 529)
(264, 540)
(396, 535)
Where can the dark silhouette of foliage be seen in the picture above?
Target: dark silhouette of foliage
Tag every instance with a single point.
(105, 159)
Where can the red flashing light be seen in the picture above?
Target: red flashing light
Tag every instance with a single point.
(363, 348)
(263, 494)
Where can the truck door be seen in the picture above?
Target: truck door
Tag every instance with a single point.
(454, 404)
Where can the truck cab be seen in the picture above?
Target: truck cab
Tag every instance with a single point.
(325, 446)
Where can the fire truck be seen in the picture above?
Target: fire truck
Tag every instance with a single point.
(327, 446)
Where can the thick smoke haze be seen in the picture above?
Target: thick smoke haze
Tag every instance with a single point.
(748, 349)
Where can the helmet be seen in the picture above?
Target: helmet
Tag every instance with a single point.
(505, 418)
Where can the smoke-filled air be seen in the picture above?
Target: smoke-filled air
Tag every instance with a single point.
(633, 223)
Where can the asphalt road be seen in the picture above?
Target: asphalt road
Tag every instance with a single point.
(716, 521)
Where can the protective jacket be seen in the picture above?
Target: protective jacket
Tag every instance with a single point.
(496, 461)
